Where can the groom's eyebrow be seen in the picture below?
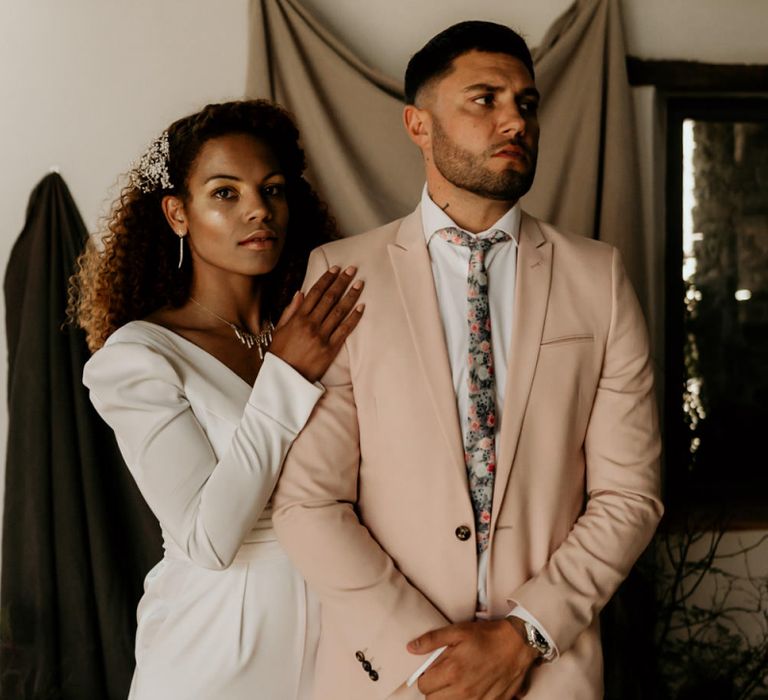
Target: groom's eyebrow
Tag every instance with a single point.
(487, 87)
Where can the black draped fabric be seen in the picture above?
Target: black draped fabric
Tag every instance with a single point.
(77, 536)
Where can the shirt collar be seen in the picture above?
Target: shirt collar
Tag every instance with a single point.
(433, 218)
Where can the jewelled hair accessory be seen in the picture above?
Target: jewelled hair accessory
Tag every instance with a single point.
(150, 172)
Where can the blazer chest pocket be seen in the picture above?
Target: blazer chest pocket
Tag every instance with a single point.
(567, 339)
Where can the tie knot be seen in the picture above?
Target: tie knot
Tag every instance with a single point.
(458, 237)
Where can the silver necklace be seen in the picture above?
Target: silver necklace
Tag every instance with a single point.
(261, 340)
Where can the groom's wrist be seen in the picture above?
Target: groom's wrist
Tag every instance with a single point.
(531, 637)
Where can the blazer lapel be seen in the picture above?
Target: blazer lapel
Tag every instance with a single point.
(413, 273)
(534, 273)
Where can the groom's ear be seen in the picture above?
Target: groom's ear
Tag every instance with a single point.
(418, 126)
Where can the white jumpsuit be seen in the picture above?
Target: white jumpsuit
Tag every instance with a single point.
(224, 614)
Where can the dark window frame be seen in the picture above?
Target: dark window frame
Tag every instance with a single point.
(695, 77)
(688, 89)
(685, 499)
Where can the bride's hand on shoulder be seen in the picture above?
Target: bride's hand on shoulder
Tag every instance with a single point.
(314, 326)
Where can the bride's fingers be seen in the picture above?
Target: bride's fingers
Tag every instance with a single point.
(339, 312)
(346, 327)
(318, 289)
(331, 296)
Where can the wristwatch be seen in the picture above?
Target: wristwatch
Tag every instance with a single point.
(536, 639)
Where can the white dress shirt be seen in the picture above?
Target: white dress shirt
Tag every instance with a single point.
(450, 263)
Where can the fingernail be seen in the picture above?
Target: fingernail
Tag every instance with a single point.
(358, 284)
(335, 269)
(351, 270)
(359, 308)
(296, 293)
(414, 644)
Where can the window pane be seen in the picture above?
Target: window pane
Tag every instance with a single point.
(725, 272)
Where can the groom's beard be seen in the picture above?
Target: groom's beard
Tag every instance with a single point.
(469, 172)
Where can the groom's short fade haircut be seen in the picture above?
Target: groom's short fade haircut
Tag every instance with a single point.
(435, 58)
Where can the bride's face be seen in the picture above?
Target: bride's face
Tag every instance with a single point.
(236, 212)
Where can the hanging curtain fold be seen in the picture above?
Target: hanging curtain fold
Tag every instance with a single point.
(350, 116)
(588, 178)
(77, 536)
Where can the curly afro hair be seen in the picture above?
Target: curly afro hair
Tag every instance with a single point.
(132, 270)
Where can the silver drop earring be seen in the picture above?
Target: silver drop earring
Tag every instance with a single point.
(181, 251)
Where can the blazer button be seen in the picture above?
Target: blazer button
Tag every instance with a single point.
(373, 676)
(366, 666)
(463, 533)
(360, 656)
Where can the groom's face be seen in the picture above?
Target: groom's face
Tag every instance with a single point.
(484, 125)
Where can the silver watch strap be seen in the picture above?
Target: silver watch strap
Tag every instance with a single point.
(536, 639)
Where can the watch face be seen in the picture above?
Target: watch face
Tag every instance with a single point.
(536, 639)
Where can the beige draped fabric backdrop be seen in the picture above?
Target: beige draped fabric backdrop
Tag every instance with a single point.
(369, 172)
(350, 116)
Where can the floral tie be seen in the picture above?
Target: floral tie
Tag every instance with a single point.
(479, 438)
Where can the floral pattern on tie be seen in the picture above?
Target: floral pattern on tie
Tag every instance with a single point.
(479, 436)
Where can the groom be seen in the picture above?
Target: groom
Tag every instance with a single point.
(482, 471)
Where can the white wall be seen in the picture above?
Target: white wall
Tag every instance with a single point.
(711, 31)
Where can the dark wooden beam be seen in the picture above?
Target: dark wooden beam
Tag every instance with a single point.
(691, 76)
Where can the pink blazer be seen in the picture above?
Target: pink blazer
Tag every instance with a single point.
(374, 488)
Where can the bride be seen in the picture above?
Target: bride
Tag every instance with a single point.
(206, 366)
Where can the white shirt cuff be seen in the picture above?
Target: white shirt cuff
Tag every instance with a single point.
(520, 612)
(430, 660)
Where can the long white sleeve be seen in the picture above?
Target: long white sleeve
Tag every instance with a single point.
(206, 505)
